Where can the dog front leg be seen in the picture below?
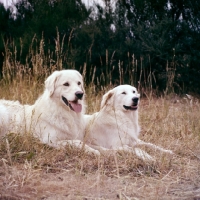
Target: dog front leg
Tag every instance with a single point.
(140, 142)
(79, 144)
(143, 155)
(139, 152)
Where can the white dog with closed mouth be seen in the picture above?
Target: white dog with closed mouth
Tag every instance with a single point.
(116, 126)
(56, 117)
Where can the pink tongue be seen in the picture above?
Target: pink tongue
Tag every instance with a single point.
(76, 107)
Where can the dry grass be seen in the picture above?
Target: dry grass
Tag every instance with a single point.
(30, 170)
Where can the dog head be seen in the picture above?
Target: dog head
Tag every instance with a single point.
(67, 86)
(124, 97)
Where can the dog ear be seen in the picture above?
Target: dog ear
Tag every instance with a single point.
(50, 82)
(107, 98)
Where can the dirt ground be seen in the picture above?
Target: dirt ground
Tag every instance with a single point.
(176, 177)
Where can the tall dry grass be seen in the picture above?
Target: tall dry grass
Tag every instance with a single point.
(31, 170)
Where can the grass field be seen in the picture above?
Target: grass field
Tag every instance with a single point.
(30, 170)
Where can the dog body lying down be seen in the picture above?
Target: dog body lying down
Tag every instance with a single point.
(56, 117)
(116, 126)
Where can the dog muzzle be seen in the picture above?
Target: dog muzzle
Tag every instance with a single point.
(73, 105)
(133, 107)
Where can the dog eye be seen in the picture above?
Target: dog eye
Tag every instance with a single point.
(123, 92)
(66, 84)
(79, 83)
(133, 91)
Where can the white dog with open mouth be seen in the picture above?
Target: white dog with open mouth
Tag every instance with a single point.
(116, 126)
(57, 115)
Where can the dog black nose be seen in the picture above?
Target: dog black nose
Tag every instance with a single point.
(79, 94)
(135, 100)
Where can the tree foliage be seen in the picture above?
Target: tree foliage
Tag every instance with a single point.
(142, 38)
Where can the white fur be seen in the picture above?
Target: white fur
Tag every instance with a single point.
(114, 127)
(49, 118)
(4, 119)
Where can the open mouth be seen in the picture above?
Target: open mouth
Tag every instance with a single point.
(73, 105)
(133, 107)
